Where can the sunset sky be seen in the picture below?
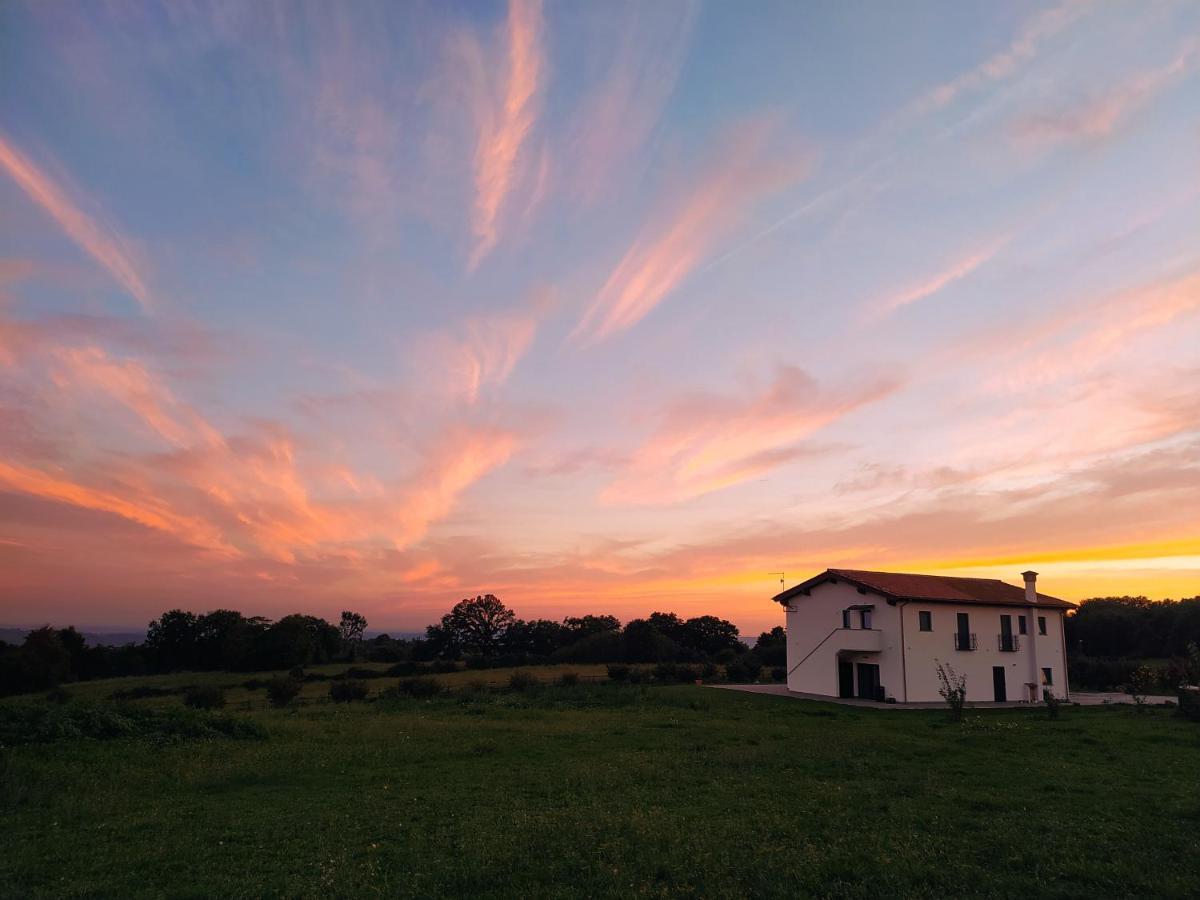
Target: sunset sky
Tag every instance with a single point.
(596, 307)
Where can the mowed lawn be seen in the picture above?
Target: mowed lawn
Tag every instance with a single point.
(615, 790)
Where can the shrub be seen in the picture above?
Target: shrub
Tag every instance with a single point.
(282, 690)
(669, 673)
(568, 679)
(40, 723)
(1140, 684)
(1189, 703)
(297, 672)
(618, 672)
(953, 690)
(418, 687)
(709, 670)
(401, 668)
(206, 696)
(443, 666)
(347, 691)
(1052, 702)
(638, 676)
(743, 669)
(140, 693)
(254, 684)
(361, 674)
(522, 681)
(778, 673)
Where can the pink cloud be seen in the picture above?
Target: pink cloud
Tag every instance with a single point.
(708, 442)
(679, 238)
(503, 120)
(936, 282)
(1097, 116)
(107, 247)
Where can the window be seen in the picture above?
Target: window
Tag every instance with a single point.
(1021, 625)
(845, 618)
(1041, 624)
(926, 620)
(865, 615)
(1047, 676)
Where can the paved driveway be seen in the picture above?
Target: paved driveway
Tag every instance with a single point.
(1083, 698)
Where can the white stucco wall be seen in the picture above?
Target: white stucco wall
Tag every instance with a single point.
(814, 619)
(925, 649)
(815, 639)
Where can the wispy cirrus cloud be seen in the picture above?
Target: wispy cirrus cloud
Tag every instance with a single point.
(482, 351)
(100, 241)
(708, 441)
(505, 112)
(1095, 116)
(616, 118)
(688, 228)
(936, 282)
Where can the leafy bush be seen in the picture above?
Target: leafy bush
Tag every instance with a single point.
(1141, 683)
(1189, 703)
(254, 684)
(778, 673)
(282, 690)
(360, 674)
(709, 670)
(618, 672)
(41, 723)
(671, 673)
(205, 696)
(1052, 702)
(418, 687)
(347, 691)
(401, 668)
(953, 690)
(743, 669)
(522, 681)
(568, 679)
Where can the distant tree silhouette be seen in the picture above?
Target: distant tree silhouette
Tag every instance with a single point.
(352, 627)
(473, 626)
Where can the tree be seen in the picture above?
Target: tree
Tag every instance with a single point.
(771, 646)
(172, 640)
(642, 642)
(45, 660)
(710, 635)
(583, 626)
(540, 637)
(296, 640)
(474, 626)
(352, 627)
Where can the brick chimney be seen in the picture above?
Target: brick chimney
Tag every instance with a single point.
(1030, 586)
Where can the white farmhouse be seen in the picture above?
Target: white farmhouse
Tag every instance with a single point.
(880, 636)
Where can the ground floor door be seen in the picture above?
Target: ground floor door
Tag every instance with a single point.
(998, 684)
(868, 681)
(845, 678)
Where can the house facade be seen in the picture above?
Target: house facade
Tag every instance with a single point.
(881, 636)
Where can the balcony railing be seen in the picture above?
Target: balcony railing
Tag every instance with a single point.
(1008, 643)
(964, 641)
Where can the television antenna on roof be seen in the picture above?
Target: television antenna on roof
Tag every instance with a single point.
(782, 586)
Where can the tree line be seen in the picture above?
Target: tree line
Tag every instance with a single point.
(1133, 627)
(482, 631)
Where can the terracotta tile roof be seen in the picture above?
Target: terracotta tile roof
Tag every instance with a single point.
(934, 588)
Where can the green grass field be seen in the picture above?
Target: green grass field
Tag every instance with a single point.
(612, 790)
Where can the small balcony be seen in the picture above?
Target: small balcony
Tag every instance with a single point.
(857, 640)
(964, 641)
(1008, 643)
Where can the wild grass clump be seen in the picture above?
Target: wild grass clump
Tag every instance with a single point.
(522, 681)
(282, 690)
(142, 692)
(206, 696)
(44, 724)
(347, 691)
(618, 672)
(418, 687)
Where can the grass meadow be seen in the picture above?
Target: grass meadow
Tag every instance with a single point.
(605, 790)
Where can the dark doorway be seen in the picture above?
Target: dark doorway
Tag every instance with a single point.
(868, 681)
(998, 684)
(845, 678)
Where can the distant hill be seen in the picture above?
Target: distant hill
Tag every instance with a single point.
(94, 638)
